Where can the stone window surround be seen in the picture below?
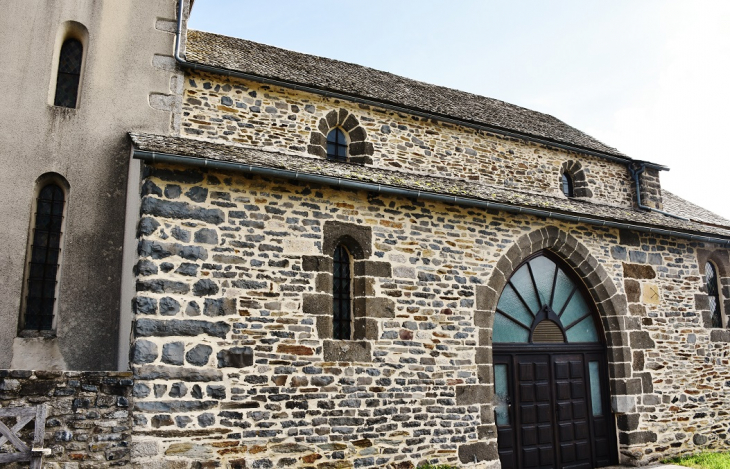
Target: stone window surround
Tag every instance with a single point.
(41, 182)
(576, 172)
(359, 150)
(721, 260)
(366, 307)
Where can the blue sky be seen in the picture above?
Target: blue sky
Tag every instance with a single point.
(649, 77)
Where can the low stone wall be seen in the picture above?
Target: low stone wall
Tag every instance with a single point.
(89, 420)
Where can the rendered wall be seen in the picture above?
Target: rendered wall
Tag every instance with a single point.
(232, 358)
(128, 83)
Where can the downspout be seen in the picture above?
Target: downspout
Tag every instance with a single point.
(154, 157)
(635, 173)
(308, 89)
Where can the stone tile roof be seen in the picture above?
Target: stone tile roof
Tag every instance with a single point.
(355, 80)
(440, 185)
(678, 206)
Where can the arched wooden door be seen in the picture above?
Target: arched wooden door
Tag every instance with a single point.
(550, 372)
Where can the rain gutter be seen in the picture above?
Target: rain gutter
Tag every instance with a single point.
(270, 81)
(342, 183)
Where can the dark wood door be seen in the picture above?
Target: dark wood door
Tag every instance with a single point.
(552, 412)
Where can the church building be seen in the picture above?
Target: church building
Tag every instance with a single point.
(308, 263)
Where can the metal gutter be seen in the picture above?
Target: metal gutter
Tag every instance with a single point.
(331, 94)
(154, 157)
(635, 173)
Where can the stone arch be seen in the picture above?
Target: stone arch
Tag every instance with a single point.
(613, 312)
(611, 304)
(359, 149)
(578, 175)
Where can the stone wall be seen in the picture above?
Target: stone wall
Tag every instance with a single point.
(234, 363)
(88, 423)
(248, 113)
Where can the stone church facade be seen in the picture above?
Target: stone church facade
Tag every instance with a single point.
(328, 266)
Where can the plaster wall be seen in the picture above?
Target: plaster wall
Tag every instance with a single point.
(129, 83)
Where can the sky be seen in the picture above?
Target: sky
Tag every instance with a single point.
(648, 77)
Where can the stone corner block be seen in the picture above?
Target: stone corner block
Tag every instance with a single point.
(373, 269)
(623, 404)
(317, 264)
(347, 351)
(477, 452)
(473, 394)
(317, 304)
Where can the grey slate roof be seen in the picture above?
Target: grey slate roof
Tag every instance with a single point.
(355, 80)
(441, 185)
(678, 206)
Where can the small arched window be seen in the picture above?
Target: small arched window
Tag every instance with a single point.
(341, 295)
(713, 294)
(44, 259)
(69, 73)
(567, 183)
(336, 145)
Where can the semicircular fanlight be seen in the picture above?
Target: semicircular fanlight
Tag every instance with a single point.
(542, 304)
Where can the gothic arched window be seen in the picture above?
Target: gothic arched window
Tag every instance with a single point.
(69, 73)
(336, 145)
(713, 294)
(44, 258)
(341, 295)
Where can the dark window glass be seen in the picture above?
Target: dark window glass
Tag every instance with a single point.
(45, 250)
(567, 185)
(342, 302)
(713, 294)
(336, 145)
(69, 73)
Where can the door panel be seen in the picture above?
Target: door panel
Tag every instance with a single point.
(554, 418)
(534, 412)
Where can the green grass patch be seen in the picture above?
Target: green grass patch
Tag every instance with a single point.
(703, 461)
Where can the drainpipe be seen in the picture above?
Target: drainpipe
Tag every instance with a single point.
(635, 173)
(343, 183)
(426, 115)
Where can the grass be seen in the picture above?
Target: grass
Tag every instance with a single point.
(703, 461)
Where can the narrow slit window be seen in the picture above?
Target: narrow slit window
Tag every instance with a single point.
(44, 259)
(341, 295)
(336, 145)
(567, 183)
(69, 73)
(713, 294)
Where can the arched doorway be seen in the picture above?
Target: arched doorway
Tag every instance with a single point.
(550, 371)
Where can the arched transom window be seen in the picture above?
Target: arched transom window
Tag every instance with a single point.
(541, 303)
